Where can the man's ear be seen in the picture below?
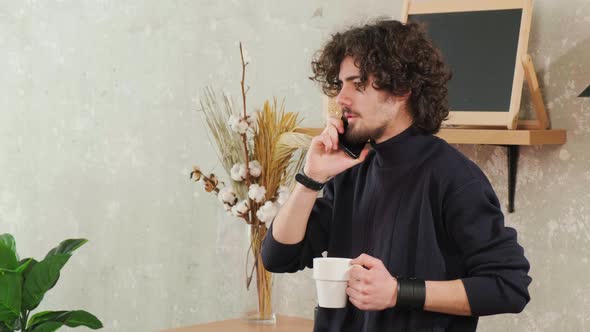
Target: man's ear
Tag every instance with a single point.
(402, 98)
(406, 96)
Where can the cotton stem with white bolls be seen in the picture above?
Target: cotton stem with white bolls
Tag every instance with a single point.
(251, 216)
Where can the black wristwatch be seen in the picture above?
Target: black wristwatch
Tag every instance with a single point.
(308, 182)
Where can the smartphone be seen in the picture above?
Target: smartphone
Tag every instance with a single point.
(353, 150)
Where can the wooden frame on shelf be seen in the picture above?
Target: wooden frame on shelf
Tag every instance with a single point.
(542, 121)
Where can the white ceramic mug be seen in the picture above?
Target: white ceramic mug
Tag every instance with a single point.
(331, 276)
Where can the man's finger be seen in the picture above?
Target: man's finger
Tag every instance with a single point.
(359, 286)
(359, 304)
(337, 123)
(360, 159)
(327, 142)
(367, 261)
(363, 155)
(358, 273)
(333, 133)
(355, 294)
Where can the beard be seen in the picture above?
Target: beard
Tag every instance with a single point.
(356, 134)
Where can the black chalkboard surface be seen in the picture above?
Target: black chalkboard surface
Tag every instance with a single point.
(481, 48)
(485, 44)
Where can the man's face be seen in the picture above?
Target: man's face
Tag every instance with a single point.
(371, 113)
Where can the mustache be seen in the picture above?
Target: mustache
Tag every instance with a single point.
(348, 111)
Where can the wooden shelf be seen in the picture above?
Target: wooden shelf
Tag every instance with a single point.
(503, 136)
(488, 136)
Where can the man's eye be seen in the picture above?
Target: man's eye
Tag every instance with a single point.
(358, 86)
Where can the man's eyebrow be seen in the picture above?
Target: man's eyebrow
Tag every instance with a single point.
(349, 78)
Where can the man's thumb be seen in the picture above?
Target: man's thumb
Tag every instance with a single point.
(362, 156)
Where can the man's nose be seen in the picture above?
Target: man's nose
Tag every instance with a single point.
(343, 99)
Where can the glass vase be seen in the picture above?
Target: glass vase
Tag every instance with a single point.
(264, 313)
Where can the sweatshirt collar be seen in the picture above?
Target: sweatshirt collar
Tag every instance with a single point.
(405, 147)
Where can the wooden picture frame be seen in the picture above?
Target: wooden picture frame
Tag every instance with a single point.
(483, 118)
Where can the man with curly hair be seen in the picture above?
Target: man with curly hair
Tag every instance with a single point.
(420, 218)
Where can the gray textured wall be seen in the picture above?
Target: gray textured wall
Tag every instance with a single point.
(98, 132)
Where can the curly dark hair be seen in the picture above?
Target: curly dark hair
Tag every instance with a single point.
(400, 58)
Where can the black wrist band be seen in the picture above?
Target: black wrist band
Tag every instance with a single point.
(308, 182)
(411, 293)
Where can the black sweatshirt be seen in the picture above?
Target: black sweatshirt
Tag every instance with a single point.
(426, 211)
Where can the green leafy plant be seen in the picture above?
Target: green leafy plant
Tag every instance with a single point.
(23, 284)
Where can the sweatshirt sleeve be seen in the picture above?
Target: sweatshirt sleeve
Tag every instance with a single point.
(496, 270)
(278, 257)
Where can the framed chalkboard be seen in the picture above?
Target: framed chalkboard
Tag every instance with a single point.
(485, 44)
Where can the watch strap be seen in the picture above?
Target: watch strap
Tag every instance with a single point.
(308, 182)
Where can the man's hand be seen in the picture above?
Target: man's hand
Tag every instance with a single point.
(372, 288)
(324, 158)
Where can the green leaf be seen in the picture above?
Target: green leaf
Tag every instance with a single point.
(69, 318)
(10, 295)
(41, 278)
(28, 269)
(21, 266)
(14, 326)
(47, 327)
(67, 247)
(5, 328)
(8, 240)
(44, 316)
(8, 256)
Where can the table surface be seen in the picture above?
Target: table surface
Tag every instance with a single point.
(284, 324)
